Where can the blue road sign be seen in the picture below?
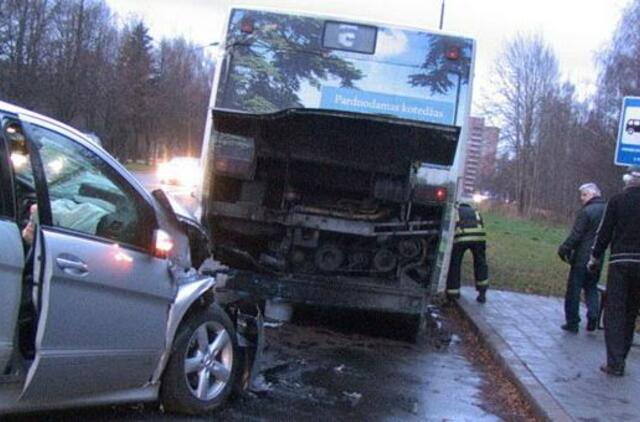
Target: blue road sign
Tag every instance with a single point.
(628, 145)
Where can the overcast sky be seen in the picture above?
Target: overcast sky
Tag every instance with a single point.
(576, 29)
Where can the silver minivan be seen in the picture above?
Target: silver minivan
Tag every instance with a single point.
(100, 302)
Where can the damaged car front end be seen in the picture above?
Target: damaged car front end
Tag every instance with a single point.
(102, 303)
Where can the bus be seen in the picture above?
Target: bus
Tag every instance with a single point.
(332, 157)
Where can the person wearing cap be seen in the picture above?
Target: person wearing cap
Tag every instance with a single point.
(620, 229)
(470, 234)
(576, 250)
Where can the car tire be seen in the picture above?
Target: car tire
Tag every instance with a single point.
(630, 131)
(205, 347)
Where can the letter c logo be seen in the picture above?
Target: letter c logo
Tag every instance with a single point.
(347, 35)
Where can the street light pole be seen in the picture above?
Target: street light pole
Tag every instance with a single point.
(202, 47)
(441, 14)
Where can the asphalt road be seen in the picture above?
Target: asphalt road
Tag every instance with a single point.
(338, 365)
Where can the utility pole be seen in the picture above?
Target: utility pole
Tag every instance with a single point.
(201, 47)
(442, 14)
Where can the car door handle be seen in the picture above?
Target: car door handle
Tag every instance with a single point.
(72, 265)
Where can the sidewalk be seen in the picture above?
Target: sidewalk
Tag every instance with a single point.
(558, 371)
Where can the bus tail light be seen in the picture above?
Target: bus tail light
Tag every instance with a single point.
(426, 193)
(246, 26)
(453, 53)
(441, 194)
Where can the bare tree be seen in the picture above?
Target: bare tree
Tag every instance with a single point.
(525, 75)
(76, 56)
(619, 77)
(135, 81)
(72, 60)
(183, 89)
(24, 25)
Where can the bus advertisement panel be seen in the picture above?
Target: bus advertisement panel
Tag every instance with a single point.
(277, 61)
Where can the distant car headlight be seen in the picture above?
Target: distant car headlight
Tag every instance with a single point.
(191, 176)
(163, 171)
(180, 171)
(478, 198)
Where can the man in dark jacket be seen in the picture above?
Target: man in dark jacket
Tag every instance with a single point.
(620, 227)
(576, 250)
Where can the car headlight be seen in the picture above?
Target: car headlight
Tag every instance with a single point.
(163, 171)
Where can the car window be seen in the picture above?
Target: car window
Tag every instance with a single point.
(19, 154)
(86, 195)
(24, 185)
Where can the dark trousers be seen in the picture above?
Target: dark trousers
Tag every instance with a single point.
(623, 303)
(581, 279)
(480, 268)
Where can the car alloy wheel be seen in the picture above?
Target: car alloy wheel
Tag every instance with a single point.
(208, 360)
(204, 366)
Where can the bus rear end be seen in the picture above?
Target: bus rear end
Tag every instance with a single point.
(330, 158)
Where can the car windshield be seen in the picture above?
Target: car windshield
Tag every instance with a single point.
(276, 61)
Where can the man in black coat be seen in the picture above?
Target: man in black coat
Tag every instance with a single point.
(576, 250)
(621, 228)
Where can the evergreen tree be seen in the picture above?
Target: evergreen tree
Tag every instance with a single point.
(135, 90)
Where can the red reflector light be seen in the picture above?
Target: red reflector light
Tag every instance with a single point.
(246, 26)
(430, 194)
(453, 53)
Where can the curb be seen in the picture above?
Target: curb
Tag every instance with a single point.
(544, 405)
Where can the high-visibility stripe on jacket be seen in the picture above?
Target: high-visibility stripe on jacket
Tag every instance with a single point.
(469, 225)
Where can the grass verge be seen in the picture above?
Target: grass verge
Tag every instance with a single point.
(522, 256)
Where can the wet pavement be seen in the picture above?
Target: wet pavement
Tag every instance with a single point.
(351, 366)
(318, 372)
(558, 370)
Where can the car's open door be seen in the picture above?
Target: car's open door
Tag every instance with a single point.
(102, 321)
(103, 298)
(11, 265)
(11, 261)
